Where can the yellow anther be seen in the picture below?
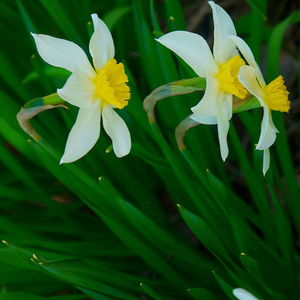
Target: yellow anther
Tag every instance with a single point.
(228, 77)
(111, 84)
(276, 95)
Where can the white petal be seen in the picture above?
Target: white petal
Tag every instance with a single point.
(62, 53)
(248, 55)
(266, 163)
(268, 131)
(193, 49)
(84, 133)
(205, 112)
(224, 48)
(248, 77)
(242, 294)
(223, 122)
(78, 90)
(204, 119)
(101, 46)
(116, 128)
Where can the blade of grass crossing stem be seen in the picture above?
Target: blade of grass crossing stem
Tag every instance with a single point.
(206, 208)
(174, 163)
(145, 252)
(183, 177)
(205, 234)
(157, 235)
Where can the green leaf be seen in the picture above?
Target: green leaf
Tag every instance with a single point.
(22, 296)
(149, 291)
(202, 293)
(114, 15)
(227, 288)
(205, 233)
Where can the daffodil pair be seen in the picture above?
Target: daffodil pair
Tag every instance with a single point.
(227, 75)
(95, 90)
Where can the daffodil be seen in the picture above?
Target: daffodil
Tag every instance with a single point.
(273, 96)
(220, 69)
(95, 90)
(242, 294)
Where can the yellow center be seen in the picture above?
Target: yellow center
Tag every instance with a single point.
(111, 84)
(228, 77)
(276, 95)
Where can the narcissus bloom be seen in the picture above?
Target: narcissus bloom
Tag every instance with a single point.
(273, 96)
(220, 70)
(96, 91)
(242, 294)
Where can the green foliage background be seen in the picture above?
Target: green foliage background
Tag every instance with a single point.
(160, 223)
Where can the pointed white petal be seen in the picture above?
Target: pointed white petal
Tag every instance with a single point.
(117, 130)
(62, 53)
(242, 294)
(224, 48)
(205, 112)
(248, 55)
(247, 76)
(84, 133)
(101, 46)
(223, 122)
(268, 131)
(78, 90)
(193, 49)
(266, 163)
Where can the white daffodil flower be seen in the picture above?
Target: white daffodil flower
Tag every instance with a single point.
(242, 294)
(220, 70)
(96, 91)
(273, 96)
